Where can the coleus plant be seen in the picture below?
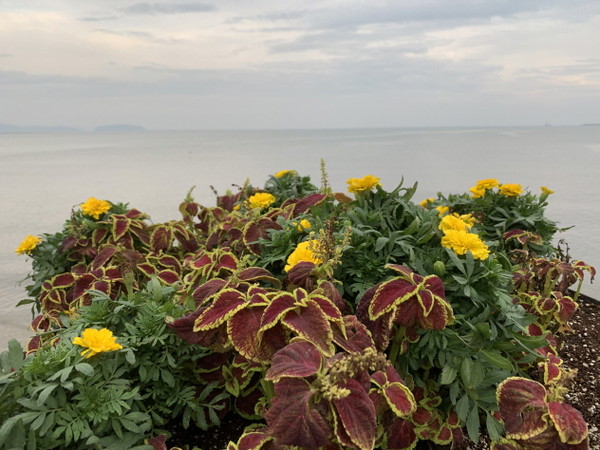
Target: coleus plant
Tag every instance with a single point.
(532, 420)
(408, 300)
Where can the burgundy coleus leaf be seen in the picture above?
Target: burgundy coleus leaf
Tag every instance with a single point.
(408, 313)
(567, 307)
(328, 289)
(225, 304)
(255, 274)
(522, 406)
(102, 257)
(389, 295)
(398, 396)
(580, 266)
(243, 330)
(147, 269)
(300, 275)
(168, 276)
(227, 261)
(356, 414)
(381, 329)
(61, 281)
(356, 338)
(169, 262)
(298, 359)
(331, 311)
(187, 240)
(277, 308)
(569, 423)
(120, 225)
(161, 238)
(292, 417)
(401, 435)
(439, 315)
(33, 344)
(204, 291)
(551, 368)
(252, 440)
(310, 323)
(135, 214)
(158, 442)
(98, 235)
(204, 259)
(305, 203)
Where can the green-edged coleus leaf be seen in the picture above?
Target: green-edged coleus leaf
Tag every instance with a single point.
(566, 307)
(168, 262)
(102, 257)
(551, 368)
(224, 305)
(304, 204)
(120, 225)
(389, 295)
(253, 440)
(569, 423)
(381, 329)
(64, 280)
(401, 435)
(297, 359)
(310, 323)
(161, 238)
(506, 444)
(279, 305)
(147, 268)
(204, 291)
(168, 276)
(293, 418)
(522, 407)
(243, 330)
(356, 413)
(397, 394)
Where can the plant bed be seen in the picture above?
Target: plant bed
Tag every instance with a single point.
(318, 319)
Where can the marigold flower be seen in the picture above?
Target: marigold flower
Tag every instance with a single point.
(283, 173)
(442, 209)
(511, 190)
(453, 222)
(303, 225)
(96, 341)
(305, 251)
(261, 200)
(426, 202)
(94, 207)
(28, 244)
(546, 191)
(365, 183)
(461, 242)
(479, 189)
(469, 219)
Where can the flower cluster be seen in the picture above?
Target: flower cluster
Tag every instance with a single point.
(307, 251)
(457, 237)
(283, 173)
(94, 207)
(27, 245)
(508, 190)
(365, 183)
(96, 341)
(261, 200)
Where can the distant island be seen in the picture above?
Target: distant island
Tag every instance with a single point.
(119, 128)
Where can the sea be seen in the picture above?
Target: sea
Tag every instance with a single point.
(43, 176)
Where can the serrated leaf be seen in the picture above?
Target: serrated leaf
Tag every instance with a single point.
(462, 407)
(45, 393)
(473, 424)
(495, 358)
(448, 375)
(85, 369)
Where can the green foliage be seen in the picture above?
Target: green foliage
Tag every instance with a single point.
(55, 398)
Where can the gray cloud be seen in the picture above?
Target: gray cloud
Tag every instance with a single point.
(167, 8)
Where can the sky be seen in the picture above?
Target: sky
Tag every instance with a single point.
(272, 64)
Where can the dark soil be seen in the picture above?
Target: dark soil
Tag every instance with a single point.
(580, 351)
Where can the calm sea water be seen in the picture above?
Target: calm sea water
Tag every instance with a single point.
(42, 176)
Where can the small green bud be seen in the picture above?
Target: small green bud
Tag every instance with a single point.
(439, 268)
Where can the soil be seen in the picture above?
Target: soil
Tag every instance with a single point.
(580, 352)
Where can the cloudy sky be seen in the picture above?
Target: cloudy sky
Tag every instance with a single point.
(185, 64)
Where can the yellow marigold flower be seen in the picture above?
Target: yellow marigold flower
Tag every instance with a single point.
(546, 191)
(94, 207)
(303, 225)
(362, 184)
(261, 200)
(426, 202)
(305, 251)
(461, 242)
(477, 192)
(27, 245)
(488, 183)
(453, 222)
(237, 207)
(282, 173)
(96, 341)
(442, 209)
(511, 190)
(469, 219)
